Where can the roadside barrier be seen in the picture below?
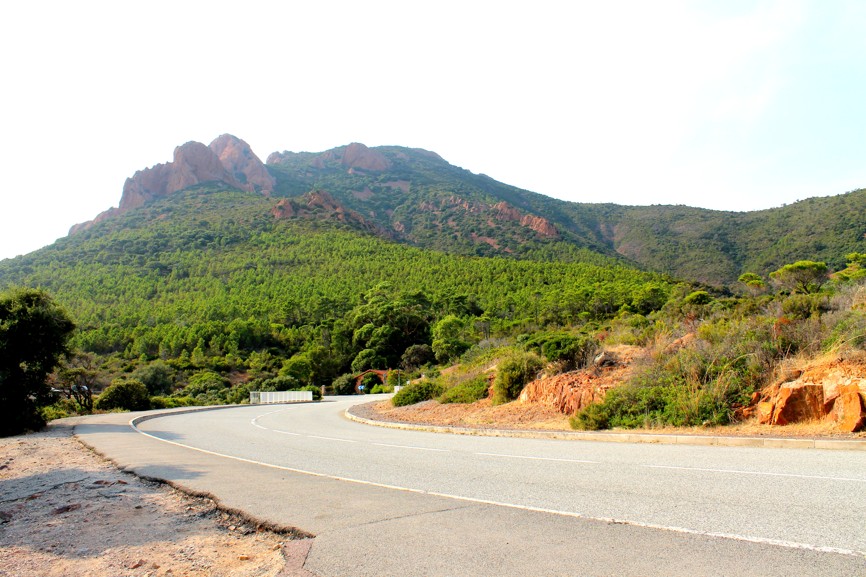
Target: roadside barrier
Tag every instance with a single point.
(268, 397)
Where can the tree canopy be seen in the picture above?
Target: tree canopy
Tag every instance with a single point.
(33, 336)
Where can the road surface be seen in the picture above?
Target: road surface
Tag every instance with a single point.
(391, 502)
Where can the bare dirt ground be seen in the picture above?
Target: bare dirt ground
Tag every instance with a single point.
(65, 511)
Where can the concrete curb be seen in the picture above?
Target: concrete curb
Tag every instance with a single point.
(754, 442)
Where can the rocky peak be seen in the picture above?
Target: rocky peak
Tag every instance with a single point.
(243, 165)
(228, 159)
(357, 155)
(193, 163)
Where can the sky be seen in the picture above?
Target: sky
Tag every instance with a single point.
(729, 105)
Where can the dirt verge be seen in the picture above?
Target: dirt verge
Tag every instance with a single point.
(65, 511)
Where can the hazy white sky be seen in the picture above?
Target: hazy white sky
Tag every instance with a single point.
(735, 105)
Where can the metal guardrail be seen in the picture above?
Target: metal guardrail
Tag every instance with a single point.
(268, 397)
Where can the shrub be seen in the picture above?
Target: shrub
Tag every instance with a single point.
(466, 392)
(574, 351)
(370, 381)
(171, 402)
(512, 375)
(238, 395)
(395, 378)
(158, 377)
(698, 298)
(344, 385)
(207, 388)
(317, 391)
(380, 388)
(59, 410)
(128, 395)
(280, 383)
(803, 306)
(417, 392)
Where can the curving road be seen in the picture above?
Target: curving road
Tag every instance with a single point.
(384, 501)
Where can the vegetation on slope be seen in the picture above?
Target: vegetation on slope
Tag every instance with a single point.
(209, 282)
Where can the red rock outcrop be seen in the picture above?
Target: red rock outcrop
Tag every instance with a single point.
(540, 225)
(240, 161)
(836, 393)
(228, 159)
(798, 402)
(193, 163)
(570, 392)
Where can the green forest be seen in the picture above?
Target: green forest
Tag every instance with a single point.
(205, 294)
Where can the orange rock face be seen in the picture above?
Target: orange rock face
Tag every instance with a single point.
(797, 403)
(242, 164)
(835, 393)
(848, 409)
(570, 392)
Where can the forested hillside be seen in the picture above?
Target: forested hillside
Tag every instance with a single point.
(210, 278)
(419, 198)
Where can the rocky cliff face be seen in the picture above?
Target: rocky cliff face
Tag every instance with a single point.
(228, 159)
(242, 164)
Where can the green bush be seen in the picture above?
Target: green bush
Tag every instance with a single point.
(512, 375)
(395, 378)
(207, 388)
(128, 395)
(380, 388)
(575, 351)
(698, 298)
(370, 381)
(61, 409)
(569, 349)
(417, 392)
(157, 376)
(317, 391)
(171, 402)
(803, 306)
(280, 383)
(344, 385)
(239, 395)
(466, 392)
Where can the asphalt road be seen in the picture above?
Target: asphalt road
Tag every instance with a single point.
(391, 502)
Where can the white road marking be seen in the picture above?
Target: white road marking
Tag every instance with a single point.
(744, 538)
(331, 439)
(536, 458)
(768, 474)
(410, 447)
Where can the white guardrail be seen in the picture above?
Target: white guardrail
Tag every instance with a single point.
(268, 397)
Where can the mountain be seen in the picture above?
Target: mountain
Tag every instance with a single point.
(415, 197)
(420, 199)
